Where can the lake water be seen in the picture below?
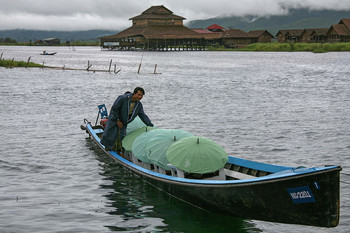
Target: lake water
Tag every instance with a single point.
(283, 108)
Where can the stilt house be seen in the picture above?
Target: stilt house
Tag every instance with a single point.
(157, 28)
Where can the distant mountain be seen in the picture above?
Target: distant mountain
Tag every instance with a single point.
(296, 19)
(21, 35)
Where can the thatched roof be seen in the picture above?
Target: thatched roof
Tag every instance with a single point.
(258, 33)
(208, 35)
(295, 32)
(235, 33)
(346, 22)
(154, 32)
(157, 12)
(340, 29)
(319, 31)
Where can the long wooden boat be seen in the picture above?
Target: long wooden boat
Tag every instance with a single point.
(247, 189)
(44, 53)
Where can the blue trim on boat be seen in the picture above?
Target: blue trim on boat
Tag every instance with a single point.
(277, 171)
(256, 165)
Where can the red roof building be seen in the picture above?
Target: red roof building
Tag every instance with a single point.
(215, 28)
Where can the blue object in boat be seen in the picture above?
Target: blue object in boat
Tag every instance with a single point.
(103, 111)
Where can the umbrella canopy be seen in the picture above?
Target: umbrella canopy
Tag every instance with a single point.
(135, 124)
(139, 144)
(130, 138)
(158, 144)
(197, 155)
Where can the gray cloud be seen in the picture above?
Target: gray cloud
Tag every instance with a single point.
(115, 14)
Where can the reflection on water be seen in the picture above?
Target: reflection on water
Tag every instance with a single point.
(145, 208)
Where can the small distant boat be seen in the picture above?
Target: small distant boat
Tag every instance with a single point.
(246, 189)
(46, 53)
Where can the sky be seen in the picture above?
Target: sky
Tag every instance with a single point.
(71, 15)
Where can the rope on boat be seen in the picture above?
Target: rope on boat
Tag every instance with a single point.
(86, 121)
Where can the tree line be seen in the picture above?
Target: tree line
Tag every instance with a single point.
(8, 40)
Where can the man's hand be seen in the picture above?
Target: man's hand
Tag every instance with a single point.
(120, 124)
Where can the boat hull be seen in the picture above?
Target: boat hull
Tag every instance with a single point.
(310, 197)
(266, 200)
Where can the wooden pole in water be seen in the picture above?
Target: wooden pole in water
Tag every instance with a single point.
(89, 66)
(155, 68)
(138, 71)
(110, 64)
(27, 62)
(1, 56)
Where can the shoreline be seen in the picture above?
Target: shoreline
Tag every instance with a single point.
(256, 47)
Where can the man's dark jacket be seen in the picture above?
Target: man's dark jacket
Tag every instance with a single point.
(120, 111)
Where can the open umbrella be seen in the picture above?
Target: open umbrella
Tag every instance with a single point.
(139, 144)
(135, 124)
(158, 144)
(130, 138)
(197, 155)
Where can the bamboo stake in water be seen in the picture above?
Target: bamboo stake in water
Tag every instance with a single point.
(138, 71)
(89, 66)
(110, 64)
(27, 62)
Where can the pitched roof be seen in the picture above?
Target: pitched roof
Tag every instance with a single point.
(346, 22)
(283, 32)
(319, 31)
(295, 32)
(257, 33)
(157, 12)
(235, 33)
(208, 34)
(341, 29)
(157, 32)
(215, 27)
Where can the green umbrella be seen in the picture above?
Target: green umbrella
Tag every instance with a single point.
(159, 143)
(130, 138)
(197, 155)
(135, 124)
(139, 144)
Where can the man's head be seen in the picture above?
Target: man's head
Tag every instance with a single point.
(138, 94)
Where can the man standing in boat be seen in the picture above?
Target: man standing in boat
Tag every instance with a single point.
(124, 110)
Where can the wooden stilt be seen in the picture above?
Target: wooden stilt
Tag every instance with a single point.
(27, 62)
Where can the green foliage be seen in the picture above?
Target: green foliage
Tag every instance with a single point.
(11, 63)
(21, 35)
(85, 43)
(290, 47)
(277, 47)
